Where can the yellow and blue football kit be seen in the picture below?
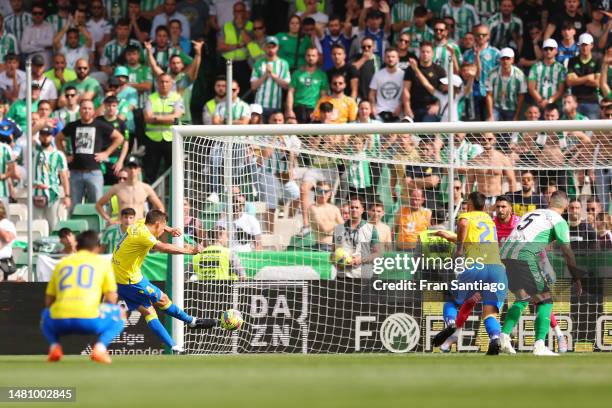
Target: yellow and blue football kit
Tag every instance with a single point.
(77, 284)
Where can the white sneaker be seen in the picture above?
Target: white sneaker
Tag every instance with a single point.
(213, 198)
(178, 350)
(540, 349)
(561, 344)
(448, 344)
(506, 344)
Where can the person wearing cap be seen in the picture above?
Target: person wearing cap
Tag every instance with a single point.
(308, 84)
(12, 79)
(9, 44)
(131, 193)
(72, 48)
(50, 172)
(111, 115)
(84, 139)
(269, 77)
(583, 77)
(38, 37)
(88, 88)
(183, 76)
(465, 17)
(256, 114)
(115, 48)
(546, 80)
(60, 74)
(241, 112)
(460, 92)
(506, 89)
(571, 12)
(163, 109)
(48, 91)
(506, 27)
(127, 96)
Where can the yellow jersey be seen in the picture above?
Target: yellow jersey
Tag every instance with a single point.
(77, 283)
(481, 239)
(130, 252)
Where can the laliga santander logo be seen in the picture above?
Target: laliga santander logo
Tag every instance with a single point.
(399, 333)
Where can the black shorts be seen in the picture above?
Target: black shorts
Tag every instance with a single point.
(526, 275)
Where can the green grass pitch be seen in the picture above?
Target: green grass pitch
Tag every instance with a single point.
(295, 381)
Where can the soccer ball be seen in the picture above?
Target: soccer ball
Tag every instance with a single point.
(342, 257)
(231, 319)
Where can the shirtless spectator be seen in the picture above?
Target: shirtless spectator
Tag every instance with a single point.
(489, 181)
(323, 217)
(376, 212)
(411, 220)
(130, 193)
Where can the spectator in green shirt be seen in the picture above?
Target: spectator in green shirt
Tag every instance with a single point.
(308, 84)
(18, 111)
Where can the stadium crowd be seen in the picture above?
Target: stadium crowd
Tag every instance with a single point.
(110, 77)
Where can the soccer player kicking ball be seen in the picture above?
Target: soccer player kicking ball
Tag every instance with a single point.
(136, 290)
(477, 242)
(73, 300)
(521, 253)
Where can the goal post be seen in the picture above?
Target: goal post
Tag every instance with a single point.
(291, 302)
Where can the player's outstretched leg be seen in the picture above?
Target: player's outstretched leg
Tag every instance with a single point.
(512, 318)
(493, 329)
(112, 323)
(193, 322)
(542, 324)
(561, 342)
(449, 312)
(155, 325)
(48, 328)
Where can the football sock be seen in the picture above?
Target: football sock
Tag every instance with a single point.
(492, 326)
(46, 326)
(542, 322)
(449, 312)
(553, 320)
(513, 315)
(159, 330)
(174, 311)
(465, 311)
(111, 332)
(558, 331)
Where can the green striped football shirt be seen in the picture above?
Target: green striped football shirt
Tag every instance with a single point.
(240, 109)
(48, 165)
(441, 53)
(110, 237)
(359, 175)
(269, 94)
(116, 9)
(506, 90)
(138, 75)
(5, 159)
(548, 78)
(402, 12)
(112, 51)
(501, 32)
(16, 24)
(162, 57)
(484, 8)
(57, 22)
(66, 116)
(465, 18)
(150, 5)
(419, 35)
(8, 44)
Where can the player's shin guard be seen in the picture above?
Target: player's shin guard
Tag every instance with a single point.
(542, 322)
(513, 315)
(173, 310)
(492, 326)
(46, 325)
(159, 330)
(449, 312)
(111, 332)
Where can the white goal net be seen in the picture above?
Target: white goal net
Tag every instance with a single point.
(328, 227)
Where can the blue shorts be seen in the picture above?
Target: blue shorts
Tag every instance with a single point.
(491, 274)
(109, 316)
(143, 293)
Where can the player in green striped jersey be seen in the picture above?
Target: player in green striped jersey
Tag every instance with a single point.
(506, 89)
(162, 50)
(269, 77)
(547, 77)
(50, 170)
(182, 75)
(113, 232)
(114, 48)
(521, 253)
(506, 28)
(139, 76)
(465, 17)
(241, 112)
(17, 22)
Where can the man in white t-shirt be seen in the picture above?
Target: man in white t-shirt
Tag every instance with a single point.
(246, 230)
(386, 88)
(12, 79)
(48, 91)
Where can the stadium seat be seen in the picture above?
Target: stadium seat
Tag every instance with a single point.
(286, 228)
(300, 243)
(17, 212)
(77, 226)
(88, 213)
(271, 242)
(40, 229)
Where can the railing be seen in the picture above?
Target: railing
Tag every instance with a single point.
(161, 186)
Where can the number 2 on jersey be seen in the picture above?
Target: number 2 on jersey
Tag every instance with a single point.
(84, 278)
(485, 235)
